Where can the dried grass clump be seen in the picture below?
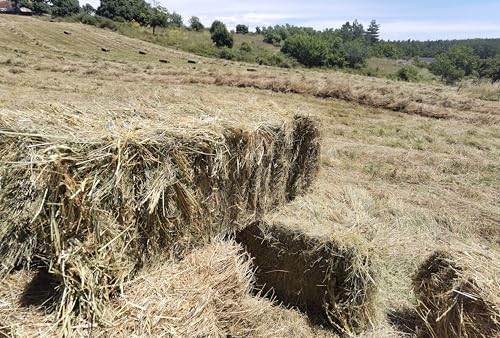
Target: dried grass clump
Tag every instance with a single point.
(458, 294)
(333, 283)
(93, 206)
(205, 295)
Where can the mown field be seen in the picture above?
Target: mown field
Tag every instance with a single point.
(405, 170)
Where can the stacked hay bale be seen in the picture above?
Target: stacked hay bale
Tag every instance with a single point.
(330, 281)
(458, 294)
(93, 203)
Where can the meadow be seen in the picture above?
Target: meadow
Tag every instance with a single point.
(400, 179)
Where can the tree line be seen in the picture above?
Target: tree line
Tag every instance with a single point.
(348, 46)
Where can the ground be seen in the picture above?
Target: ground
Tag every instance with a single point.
(403, 179)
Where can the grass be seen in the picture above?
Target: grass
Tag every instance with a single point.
(398, 178)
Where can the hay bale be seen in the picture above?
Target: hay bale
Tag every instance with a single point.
(192, 61)
(67, 33)
(458, 294)
(95, 206)
(330, 282)
(142, 52)
(104, 50)
(164, 61)
(207, 294)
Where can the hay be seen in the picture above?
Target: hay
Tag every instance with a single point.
(458, 294)
(205, 295)
(332, 283)
(93, 205)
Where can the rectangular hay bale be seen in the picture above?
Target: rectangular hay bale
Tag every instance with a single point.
(458, 294)
(94, 208)
(333, 283)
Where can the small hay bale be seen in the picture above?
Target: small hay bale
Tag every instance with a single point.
(251, 70)
(142, 52)
(191, 61)
(95, 205)
(67, 33)
(458, 294)
(164, 61)
(330, 282)
(104, 49)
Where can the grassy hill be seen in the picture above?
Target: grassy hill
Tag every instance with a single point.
(405, 170)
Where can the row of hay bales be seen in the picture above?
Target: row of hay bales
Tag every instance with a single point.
(94, 212)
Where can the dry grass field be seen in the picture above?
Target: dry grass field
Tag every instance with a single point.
(406, 170)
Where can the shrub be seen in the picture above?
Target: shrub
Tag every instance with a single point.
(408, 74)
(245, 47)
(241, 29)
(220, 35)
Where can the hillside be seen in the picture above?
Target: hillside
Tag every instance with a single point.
(405, 170)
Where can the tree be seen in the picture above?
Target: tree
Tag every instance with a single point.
(220, 35)
(357, 30)
(129, 10)
(88, 9)
(241, 29)
(258, 30)
(175, 20)
(196, 24)
(159, 17)
(355, 53)
(65, 7)
(442, 66)
(372, 33)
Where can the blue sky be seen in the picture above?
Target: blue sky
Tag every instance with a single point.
(415, 19)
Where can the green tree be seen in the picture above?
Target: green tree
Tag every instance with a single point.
(196, 24)
(357, 30)
(88, 9)
(408, 74)
(258, 30)
(65, 7)
(241, 29)
(129, 10)
(175, 20)
(158, 18)
(220, 35)
(444, 67)
(355, 53)
(372, 33)
(462, 57)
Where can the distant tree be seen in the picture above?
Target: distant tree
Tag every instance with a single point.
(462, 57)
(443, 66)
(129, 10)
(346, 31)
(245, 47)
(65, 7)
(88, 9)
(355, 53)
(196, 24)
(159, 17)
(38, 7)
(220, 35)
(408, 74)
(490, 68)
(357, 30)
(372, 33)
(175, 20)
(241, 29)
(258, 30)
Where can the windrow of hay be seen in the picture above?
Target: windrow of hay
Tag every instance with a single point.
(93, 204)
(207, 294)
(458, 293)
(330, 281)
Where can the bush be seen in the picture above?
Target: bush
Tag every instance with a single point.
(241, 29)
(220, 35)
(195, 24)
(245, 47)
(408, 74)
(226, 53)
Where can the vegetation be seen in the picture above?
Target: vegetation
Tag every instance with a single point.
(220, 35)
(241, 29)
(196, 24)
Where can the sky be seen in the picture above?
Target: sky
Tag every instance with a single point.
(399, 20)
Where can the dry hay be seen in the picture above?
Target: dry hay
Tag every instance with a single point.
(333, 283)
(93, 203)
(458, 294)
(205, 295)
